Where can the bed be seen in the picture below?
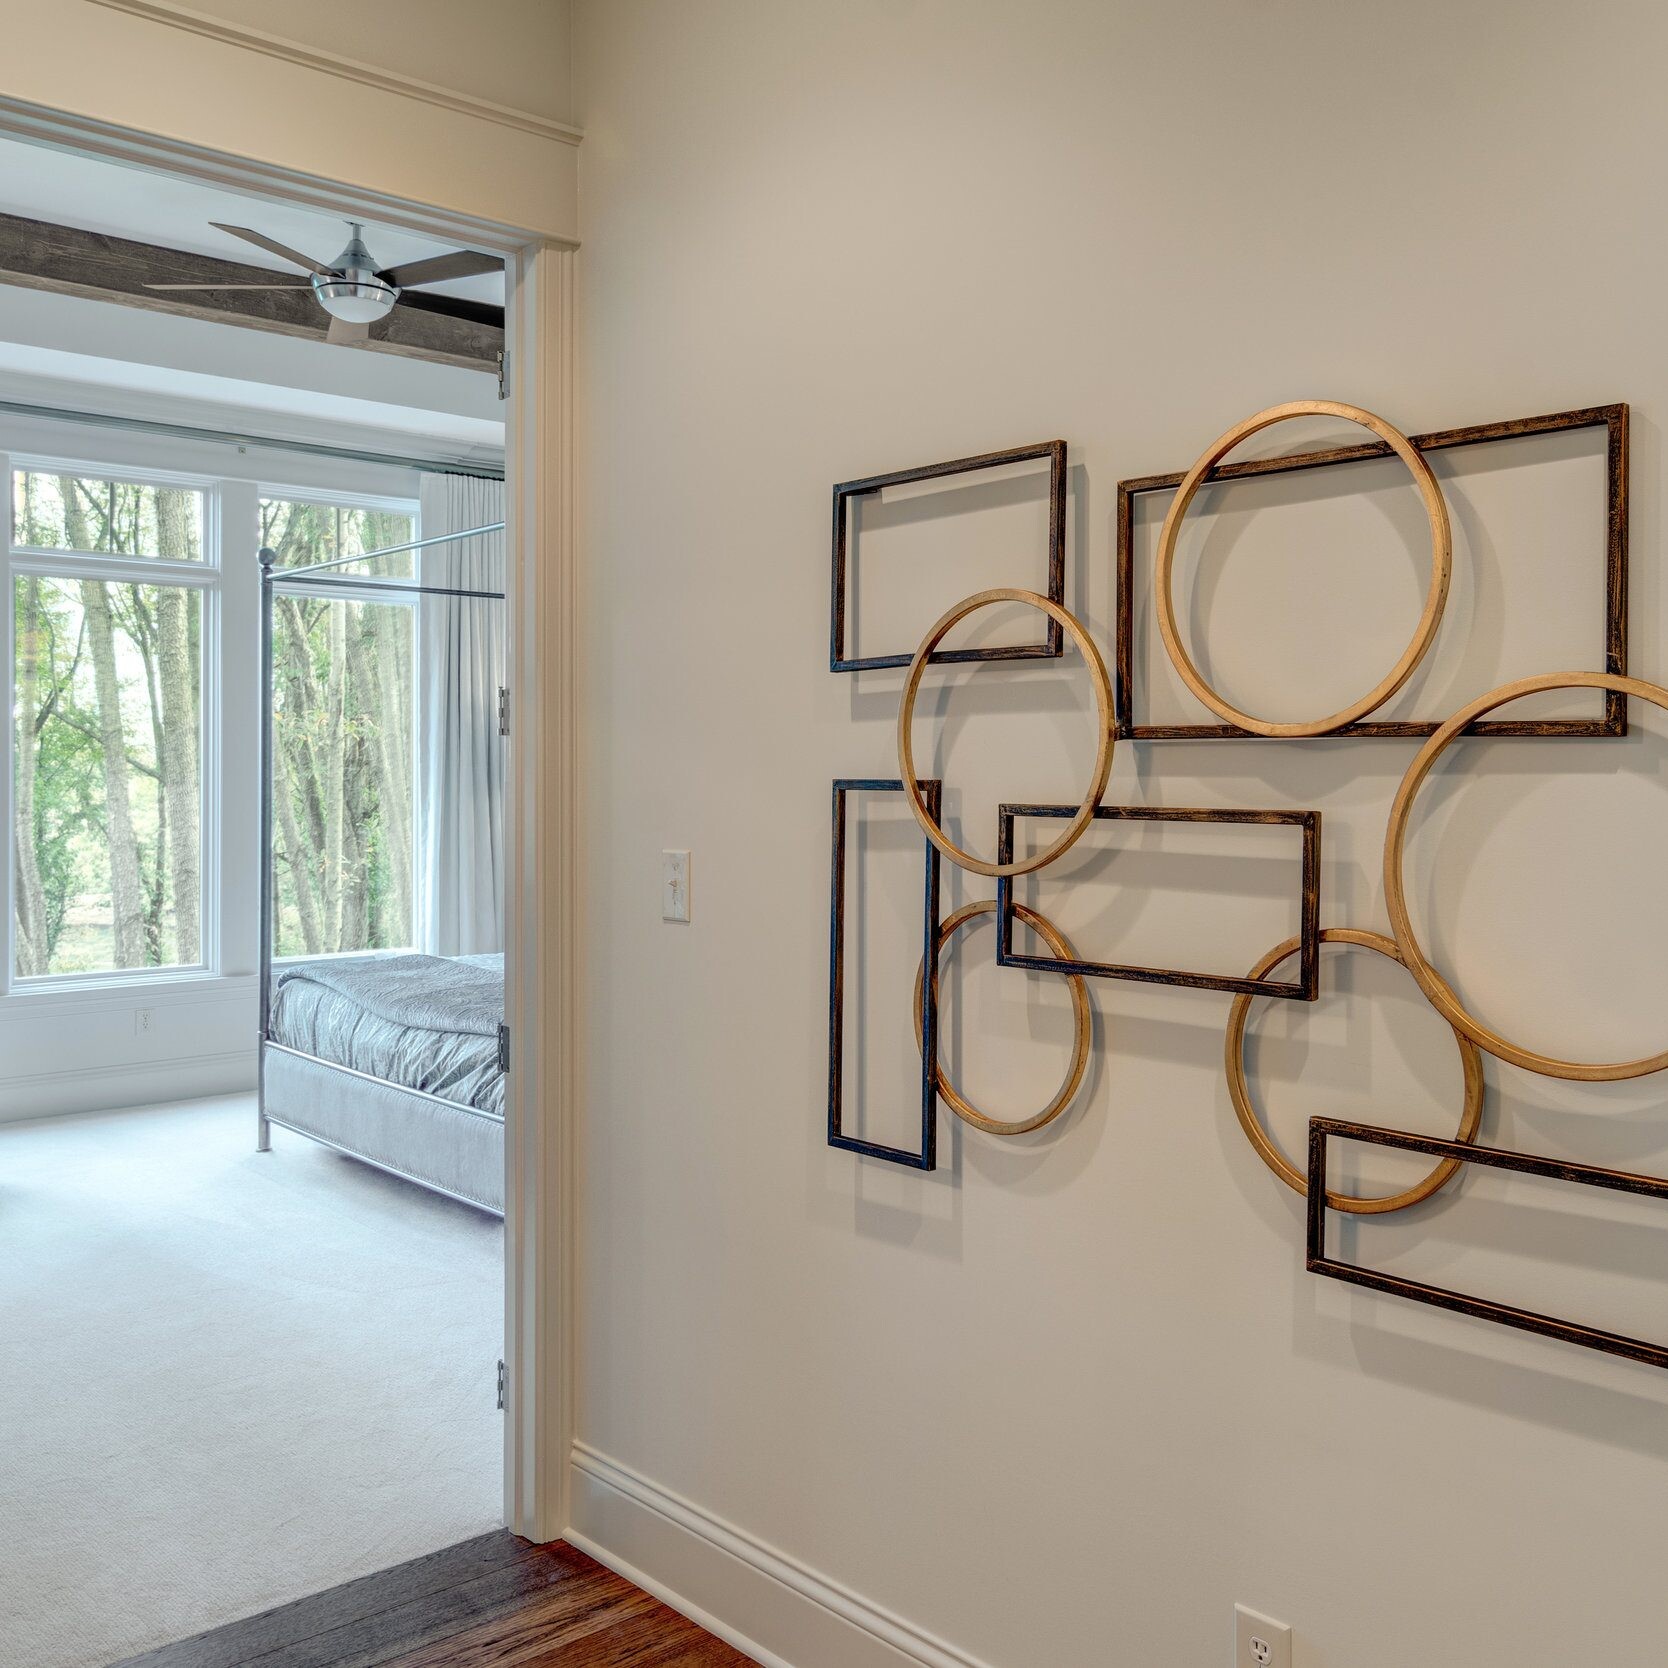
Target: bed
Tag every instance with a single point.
(396, 1060)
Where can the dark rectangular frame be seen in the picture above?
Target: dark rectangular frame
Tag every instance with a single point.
(1049, 648)
(1614, 418)
(1441, 1297)
(927, 1158)
(1305, 989)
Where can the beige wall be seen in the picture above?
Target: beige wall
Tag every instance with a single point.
(1067, 1400)
(146, 73)
(512, 52)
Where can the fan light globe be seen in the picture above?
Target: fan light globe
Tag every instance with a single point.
(355, 302)
(352, 292)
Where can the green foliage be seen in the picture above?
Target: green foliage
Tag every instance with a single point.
(343, 690)
(97, 864)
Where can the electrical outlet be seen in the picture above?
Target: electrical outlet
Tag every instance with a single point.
(141, 1021)
(1260, 1641)
(674, 886)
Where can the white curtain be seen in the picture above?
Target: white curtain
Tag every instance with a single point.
(461, 665)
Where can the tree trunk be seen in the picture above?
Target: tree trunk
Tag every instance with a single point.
(126, 895)
(177, 675)
(332, 780)
(298, 854)
(34, 949)
(386, 695)
(126, 898)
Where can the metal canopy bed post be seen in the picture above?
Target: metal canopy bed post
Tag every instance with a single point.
(446, 1145)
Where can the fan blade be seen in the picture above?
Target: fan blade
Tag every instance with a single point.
(228, 286)
(465, 263)
(344, 334)
(272, 247)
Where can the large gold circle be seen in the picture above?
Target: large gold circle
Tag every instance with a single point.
(1430, 981)
(1056, 941)
(1436, 511)
(1103, 753)
(1234, 1053)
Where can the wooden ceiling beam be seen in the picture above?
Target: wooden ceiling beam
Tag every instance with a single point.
(38, 255)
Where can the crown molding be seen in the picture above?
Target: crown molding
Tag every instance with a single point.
(349, 69)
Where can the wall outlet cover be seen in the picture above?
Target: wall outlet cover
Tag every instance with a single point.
(1260, 1641)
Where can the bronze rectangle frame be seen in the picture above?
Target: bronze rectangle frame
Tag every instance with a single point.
(1049, 649)
(1612, 418)
(927, 1157)
(1441, 1297)
(1305, 988)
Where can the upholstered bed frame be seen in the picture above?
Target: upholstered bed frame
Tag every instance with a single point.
(443, 1145)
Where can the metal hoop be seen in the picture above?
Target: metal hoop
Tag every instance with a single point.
(1430, 981)
(1056, 941)
(1436, 597)
(1234, 1055)
(1103, 755)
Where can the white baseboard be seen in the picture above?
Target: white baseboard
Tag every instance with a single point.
(111, 1088)
(768, 1605)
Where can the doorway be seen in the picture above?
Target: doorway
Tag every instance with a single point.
(539, 814)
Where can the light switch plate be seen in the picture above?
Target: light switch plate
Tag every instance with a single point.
(1260, 1641)
(674, 886)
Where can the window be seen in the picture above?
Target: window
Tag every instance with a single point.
(302, 532)
(106, 516)
(129, 780)
(108, 703)
(344, 702)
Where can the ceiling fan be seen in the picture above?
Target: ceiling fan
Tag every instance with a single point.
(353, 289)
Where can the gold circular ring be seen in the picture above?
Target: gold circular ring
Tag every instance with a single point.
(1436, 597)
(1430, 981)
(1259, 1137)
(1080, 1002)
(906, 743)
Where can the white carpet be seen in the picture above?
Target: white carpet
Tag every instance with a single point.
(227, 1379)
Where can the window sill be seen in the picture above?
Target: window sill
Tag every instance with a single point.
(143, 990)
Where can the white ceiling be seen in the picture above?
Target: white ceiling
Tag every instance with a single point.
(101, 196)
(69, 351)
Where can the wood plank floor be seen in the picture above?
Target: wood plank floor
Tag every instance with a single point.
(494, 1600)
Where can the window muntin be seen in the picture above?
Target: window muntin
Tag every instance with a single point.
(107, 793)
(72, 511)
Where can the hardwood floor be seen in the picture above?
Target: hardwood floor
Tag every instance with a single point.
(494, 1601)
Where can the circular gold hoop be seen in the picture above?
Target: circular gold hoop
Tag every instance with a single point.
(1056, 941)
(1234, 1055)
(1431, 982)
(1103, 754)
(1436, 597)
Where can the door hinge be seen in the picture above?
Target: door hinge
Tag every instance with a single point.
(503, 375)
(501, 1386)
(503, 710)
(503, 1048)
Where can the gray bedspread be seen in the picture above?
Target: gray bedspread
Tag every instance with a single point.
(426, 1022)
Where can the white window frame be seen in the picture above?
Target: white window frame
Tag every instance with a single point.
(203, 577)
(228, 581)
(342, 589)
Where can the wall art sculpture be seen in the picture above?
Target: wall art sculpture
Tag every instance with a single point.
(1460, 1153)
(1307, 943)
(925, 1157)
(1436, 595)
(1239, 1091)
(1118, 718)
(1081, 819)
(850, 492)
(1081, 1041)
(1613, 419)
